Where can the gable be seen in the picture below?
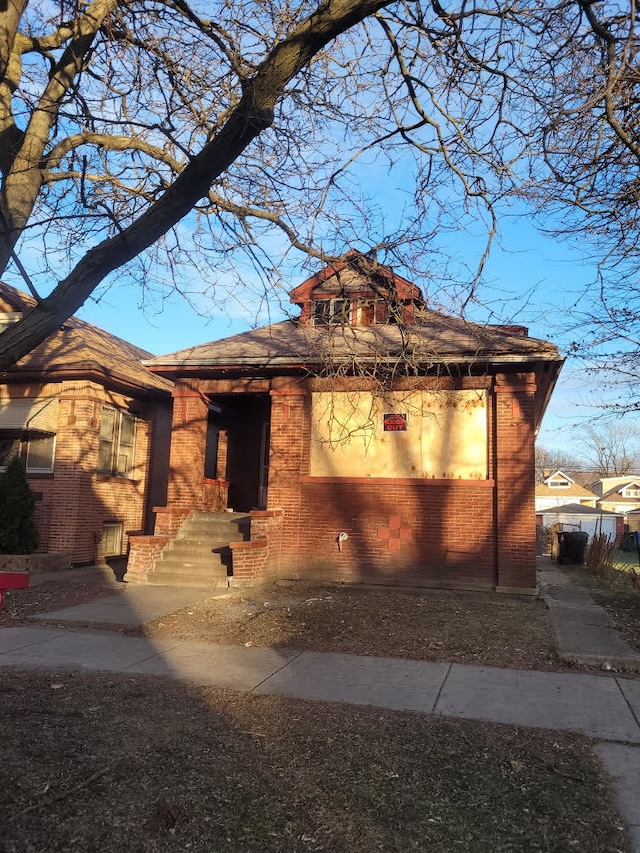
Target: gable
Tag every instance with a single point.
(558, 480)
(631, 490)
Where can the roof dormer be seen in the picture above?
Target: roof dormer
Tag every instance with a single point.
(558, 480)
(356, 292)
(631, 490)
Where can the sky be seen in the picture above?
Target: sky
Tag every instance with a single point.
(530, 279)
(539, 276)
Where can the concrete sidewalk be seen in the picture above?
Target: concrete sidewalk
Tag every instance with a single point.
(604, 707)
(131, 606)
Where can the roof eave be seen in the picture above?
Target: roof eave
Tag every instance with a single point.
(277, 361)
(113, 379)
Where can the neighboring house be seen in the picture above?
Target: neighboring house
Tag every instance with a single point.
(618, 494)
(369, 439)
(92, 426)
(588, 519)
(558, 489)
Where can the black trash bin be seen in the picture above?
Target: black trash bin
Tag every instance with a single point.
(571, 547)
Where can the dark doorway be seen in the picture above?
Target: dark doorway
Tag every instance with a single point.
(243, 421)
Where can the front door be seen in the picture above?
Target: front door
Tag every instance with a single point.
(245, 420)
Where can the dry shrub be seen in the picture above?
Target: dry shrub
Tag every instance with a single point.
(601, 555)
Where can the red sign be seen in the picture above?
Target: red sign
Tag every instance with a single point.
(393, 422)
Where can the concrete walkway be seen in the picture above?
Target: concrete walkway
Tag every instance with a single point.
(584, 631)
(605, 707)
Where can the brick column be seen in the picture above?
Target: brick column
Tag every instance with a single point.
(188, 445)
(515, 483)
(76, 522)
(288, 461)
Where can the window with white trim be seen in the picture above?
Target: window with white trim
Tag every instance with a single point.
(633, 492)
(329, 311)
(117, 442)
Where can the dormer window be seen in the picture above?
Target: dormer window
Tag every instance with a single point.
(632, 491)
(558, 480)
(331, 311)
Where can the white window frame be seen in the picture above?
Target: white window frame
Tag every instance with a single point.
(334, 316)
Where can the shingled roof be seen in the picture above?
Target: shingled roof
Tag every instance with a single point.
(81, 349)
(434, 337)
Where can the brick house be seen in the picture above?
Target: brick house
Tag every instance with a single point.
(92, 426)
(368, 439)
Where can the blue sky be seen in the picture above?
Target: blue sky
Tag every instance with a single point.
(533, 279)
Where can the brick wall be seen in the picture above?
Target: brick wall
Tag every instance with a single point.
(76, 501)
(414, 531)
(478, 534)
(144, 550)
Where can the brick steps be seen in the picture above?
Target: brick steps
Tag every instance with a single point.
(200, 555)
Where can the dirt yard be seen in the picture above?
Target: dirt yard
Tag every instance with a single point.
(117, 764)
(463, 627)
(470, 628)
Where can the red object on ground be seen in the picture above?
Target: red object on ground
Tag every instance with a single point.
(12, 580)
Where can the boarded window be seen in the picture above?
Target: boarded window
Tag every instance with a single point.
(444, 435)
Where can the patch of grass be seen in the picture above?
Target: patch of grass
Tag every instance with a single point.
(114, 763)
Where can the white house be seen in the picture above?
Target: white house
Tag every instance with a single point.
(559, 489)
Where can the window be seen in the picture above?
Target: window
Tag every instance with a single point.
(117, 442)
(372, 311)
(559, 484)
(111, 540)
(37, 450)
(329, 311)
(632, 492)
(40, 453)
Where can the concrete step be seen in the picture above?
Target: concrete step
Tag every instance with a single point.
(185, 569)
(192, 581)
(192, 563)
(228, 516)
(200, 554)
(198, 544)
(202, 530)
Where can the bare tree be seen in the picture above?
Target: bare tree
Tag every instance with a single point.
(589, 180)
(119, 118)
(611, 449)
(549, 460)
